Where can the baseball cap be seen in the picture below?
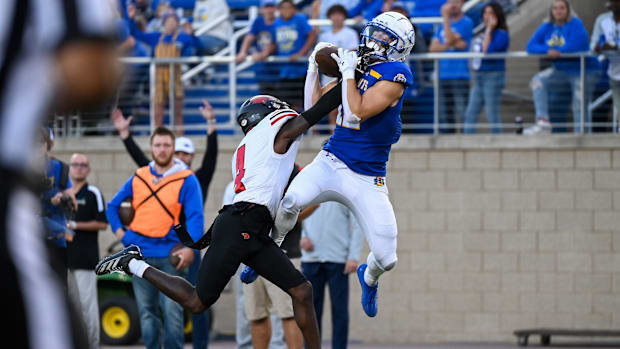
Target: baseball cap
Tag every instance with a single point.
(264, 3)
(184, 144)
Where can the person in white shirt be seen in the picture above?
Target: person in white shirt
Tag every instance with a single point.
(605, 39)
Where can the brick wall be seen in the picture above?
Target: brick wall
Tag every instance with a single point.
(495, 234)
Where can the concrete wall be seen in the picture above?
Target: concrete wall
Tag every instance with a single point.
(495, 234)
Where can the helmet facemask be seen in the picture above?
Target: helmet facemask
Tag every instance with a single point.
(382, 43)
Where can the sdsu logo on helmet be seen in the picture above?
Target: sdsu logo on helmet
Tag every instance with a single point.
(389, 36)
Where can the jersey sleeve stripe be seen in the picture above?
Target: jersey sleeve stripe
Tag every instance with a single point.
(281, 117)
(280, 112)
(95, 190)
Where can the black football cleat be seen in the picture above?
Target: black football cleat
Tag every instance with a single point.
(118, 262)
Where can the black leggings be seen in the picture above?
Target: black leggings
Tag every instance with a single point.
(241, 235)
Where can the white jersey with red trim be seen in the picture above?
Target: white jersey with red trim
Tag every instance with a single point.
(260, 174)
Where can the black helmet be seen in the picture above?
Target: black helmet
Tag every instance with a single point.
(253, 110)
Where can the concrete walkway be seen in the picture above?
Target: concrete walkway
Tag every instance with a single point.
(326, 345)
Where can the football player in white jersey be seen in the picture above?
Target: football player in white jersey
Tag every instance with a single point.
(261, 166)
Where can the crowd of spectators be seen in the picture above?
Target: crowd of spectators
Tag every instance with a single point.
(467, 87)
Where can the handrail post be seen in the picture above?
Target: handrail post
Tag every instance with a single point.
(435, 96)
(582, 81)
(152, 94)
(232, 82)
(171, 99)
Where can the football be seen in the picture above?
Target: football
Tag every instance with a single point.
(126, 212)
(327, 65)
(174, 260)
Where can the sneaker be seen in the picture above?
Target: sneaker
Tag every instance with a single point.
(369, 293)
(118, 262)
(248, 275)
(541, 127)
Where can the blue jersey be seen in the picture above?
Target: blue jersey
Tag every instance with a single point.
(365, 147)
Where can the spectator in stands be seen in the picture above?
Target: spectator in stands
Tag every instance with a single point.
(407, 114)
(341, 36)
(454, 35)
(83, 247)
(209, 13)
(294, 38)
(156, 24)
(427, 8)
(562, 33)
(366, 10)
(321, 7)
(606, 39)
(184, 151)
(162, 193)
(170, 43)
(489, 74)
(136, 75)
(331, 244)
(260, 40)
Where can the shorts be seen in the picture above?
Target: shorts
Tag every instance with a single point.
(240, 234)
(262, 297)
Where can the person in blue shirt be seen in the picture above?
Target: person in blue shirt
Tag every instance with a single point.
(163, 194)
(366, 9)
(454, 35)
(57, 201)
(294, 38)
(427, 8)
(489, 74)
(260, 39)
(562, 33)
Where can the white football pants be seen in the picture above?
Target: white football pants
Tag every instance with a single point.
(329, 179)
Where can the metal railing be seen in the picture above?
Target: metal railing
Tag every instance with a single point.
(521, 66)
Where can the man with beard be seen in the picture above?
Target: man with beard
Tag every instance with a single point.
(164, 194)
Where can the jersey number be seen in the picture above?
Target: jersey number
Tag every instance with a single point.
(239, 187)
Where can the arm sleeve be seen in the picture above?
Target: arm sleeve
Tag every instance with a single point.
(355, 238)
(537, 43)
(148, 38)
(499, 42)
(190, 199)
(466, 30)
(309, 88)
(597, 31)
(100, 216)
(209, 161)
(113, 206)
(135, 152)
(328, 102)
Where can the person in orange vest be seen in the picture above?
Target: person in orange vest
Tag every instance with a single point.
(170, 43)
(164, 194)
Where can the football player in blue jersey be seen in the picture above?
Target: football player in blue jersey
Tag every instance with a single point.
(351, 168)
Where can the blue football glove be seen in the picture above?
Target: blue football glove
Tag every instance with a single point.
(248, 275)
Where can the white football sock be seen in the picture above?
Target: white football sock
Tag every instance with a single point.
(373, 271)
(137, 267)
